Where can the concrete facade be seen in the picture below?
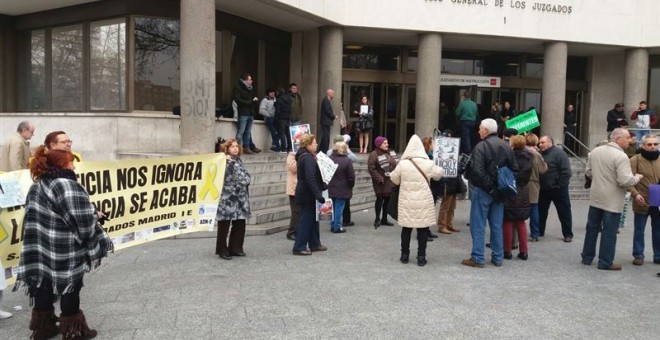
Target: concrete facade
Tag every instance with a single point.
(554, 90)
(606, 76)
(636, 78)
(331, 44)
(427, 105)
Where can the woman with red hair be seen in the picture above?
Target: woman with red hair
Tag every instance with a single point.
(61, 242)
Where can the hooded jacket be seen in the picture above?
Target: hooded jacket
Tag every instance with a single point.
(416, 206)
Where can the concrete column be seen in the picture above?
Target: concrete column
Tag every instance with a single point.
(636, 78)
(554, 90)
(309, 86)
(296, 57)
(331, 45)
(197, 76)
(427, 103)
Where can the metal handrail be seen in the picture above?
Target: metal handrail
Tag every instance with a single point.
(577, 140)
(567, 149)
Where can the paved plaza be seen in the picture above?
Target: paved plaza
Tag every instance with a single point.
(358, 289)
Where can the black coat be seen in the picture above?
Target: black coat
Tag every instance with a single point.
(327, 115)
(612, 122)
(283, 106)
(342, 182)
(487, 156)
(559, 169)
(310, 184)
(517, 207)
(243, 98)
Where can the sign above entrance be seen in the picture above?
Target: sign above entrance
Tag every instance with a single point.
(465, 80)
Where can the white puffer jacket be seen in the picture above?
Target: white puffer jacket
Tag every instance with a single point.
(416, 207)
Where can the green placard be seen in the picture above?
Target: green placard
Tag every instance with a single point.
(524, 122)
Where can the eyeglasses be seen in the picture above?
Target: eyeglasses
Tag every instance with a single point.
(65, 141)
(651, 144)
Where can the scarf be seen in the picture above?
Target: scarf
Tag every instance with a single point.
(649, 155)
(60, 173)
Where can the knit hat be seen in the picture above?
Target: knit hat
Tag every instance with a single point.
(338, 138)
(510, 132)
(347, 139)
(379, 141)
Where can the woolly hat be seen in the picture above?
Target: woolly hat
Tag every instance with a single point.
(510, 132)
(347, 138)
(379, 141)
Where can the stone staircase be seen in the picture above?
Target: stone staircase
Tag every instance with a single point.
(576, 188)
(268, 199)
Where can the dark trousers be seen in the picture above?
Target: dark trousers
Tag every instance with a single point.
(569, 141)
(271, 124)
(307, 232)
(44, 298)
(236, 237)
(324, 144)
(346, 218)
(422, 239)
(295, 215)
(562, 202)
(284, 134)
(468, 136)
(606, 224)
(381, 205)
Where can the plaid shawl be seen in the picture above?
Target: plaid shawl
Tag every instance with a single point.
(61, 238)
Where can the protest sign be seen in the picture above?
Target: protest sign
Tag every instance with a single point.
(297, 132)
(446, 155)
(524, 121)
(145, 199)
(327, 166)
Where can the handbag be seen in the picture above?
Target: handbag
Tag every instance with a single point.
(506, 181)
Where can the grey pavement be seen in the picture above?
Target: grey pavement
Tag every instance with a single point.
(358, 289)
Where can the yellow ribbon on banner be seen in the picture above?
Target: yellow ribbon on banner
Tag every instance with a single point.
(209, 183)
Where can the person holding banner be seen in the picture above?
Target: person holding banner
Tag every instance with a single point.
(62, 240)
(379, 164)
(308, 192)
(340, 188)
(365, 111)
(234, 205)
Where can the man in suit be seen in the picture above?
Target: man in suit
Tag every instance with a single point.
(327, 117)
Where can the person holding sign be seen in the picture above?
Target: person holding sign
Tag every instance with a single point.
(308, 192)
(380, 163)
(647, 164)
(61, 242)
(234, 206)
(366, 113)
(340, 188)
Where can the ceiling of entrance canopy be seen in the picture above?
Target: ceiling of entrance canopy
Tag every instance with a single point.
(18, 7)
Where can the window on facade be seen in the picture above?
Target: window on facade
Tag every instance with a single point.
(67, 61)
(244, 58)
(108, 65)
(411, 65)
(462, 66)
(156, 63)
(371, 57)
(36, 88)
(501, 65)
(277, 66)
(576, 68)
(534, 67)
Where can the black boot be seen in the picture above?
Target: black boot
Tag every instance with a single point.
(75, 327)
(386, 222)
(376, 224)
(43, 325)
(508, 256)
(404, 257)
(421, 261)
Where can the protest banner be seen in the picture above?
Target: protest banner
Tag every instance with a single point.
(327, 166)
(524, 121)
(144, 199)
(297, 132)
(446, 155)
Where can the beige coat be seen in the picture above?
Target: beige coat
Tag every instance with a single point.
(291, 174)
(416, 206)
(15, 153)
(609, 169)
(539, 167)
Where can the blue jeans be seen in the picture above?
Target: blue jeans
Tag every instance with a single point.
(638, 236)
(640, 134)
(468, 136)
(307, 232)
(609, 222)
(275, 137)
(243, 134)
(534, 220)
(482, 210)
(338, 205)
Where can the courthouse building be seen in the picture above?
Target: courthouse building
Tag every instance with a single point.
(109, 72)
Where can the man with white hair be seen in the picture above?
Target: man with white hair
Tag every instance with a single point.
(487, 205)
(16, 152)
(611, 175)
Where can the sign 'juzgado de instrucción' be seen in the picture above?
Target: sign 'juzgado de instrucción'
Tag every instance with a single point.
(515, 4)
